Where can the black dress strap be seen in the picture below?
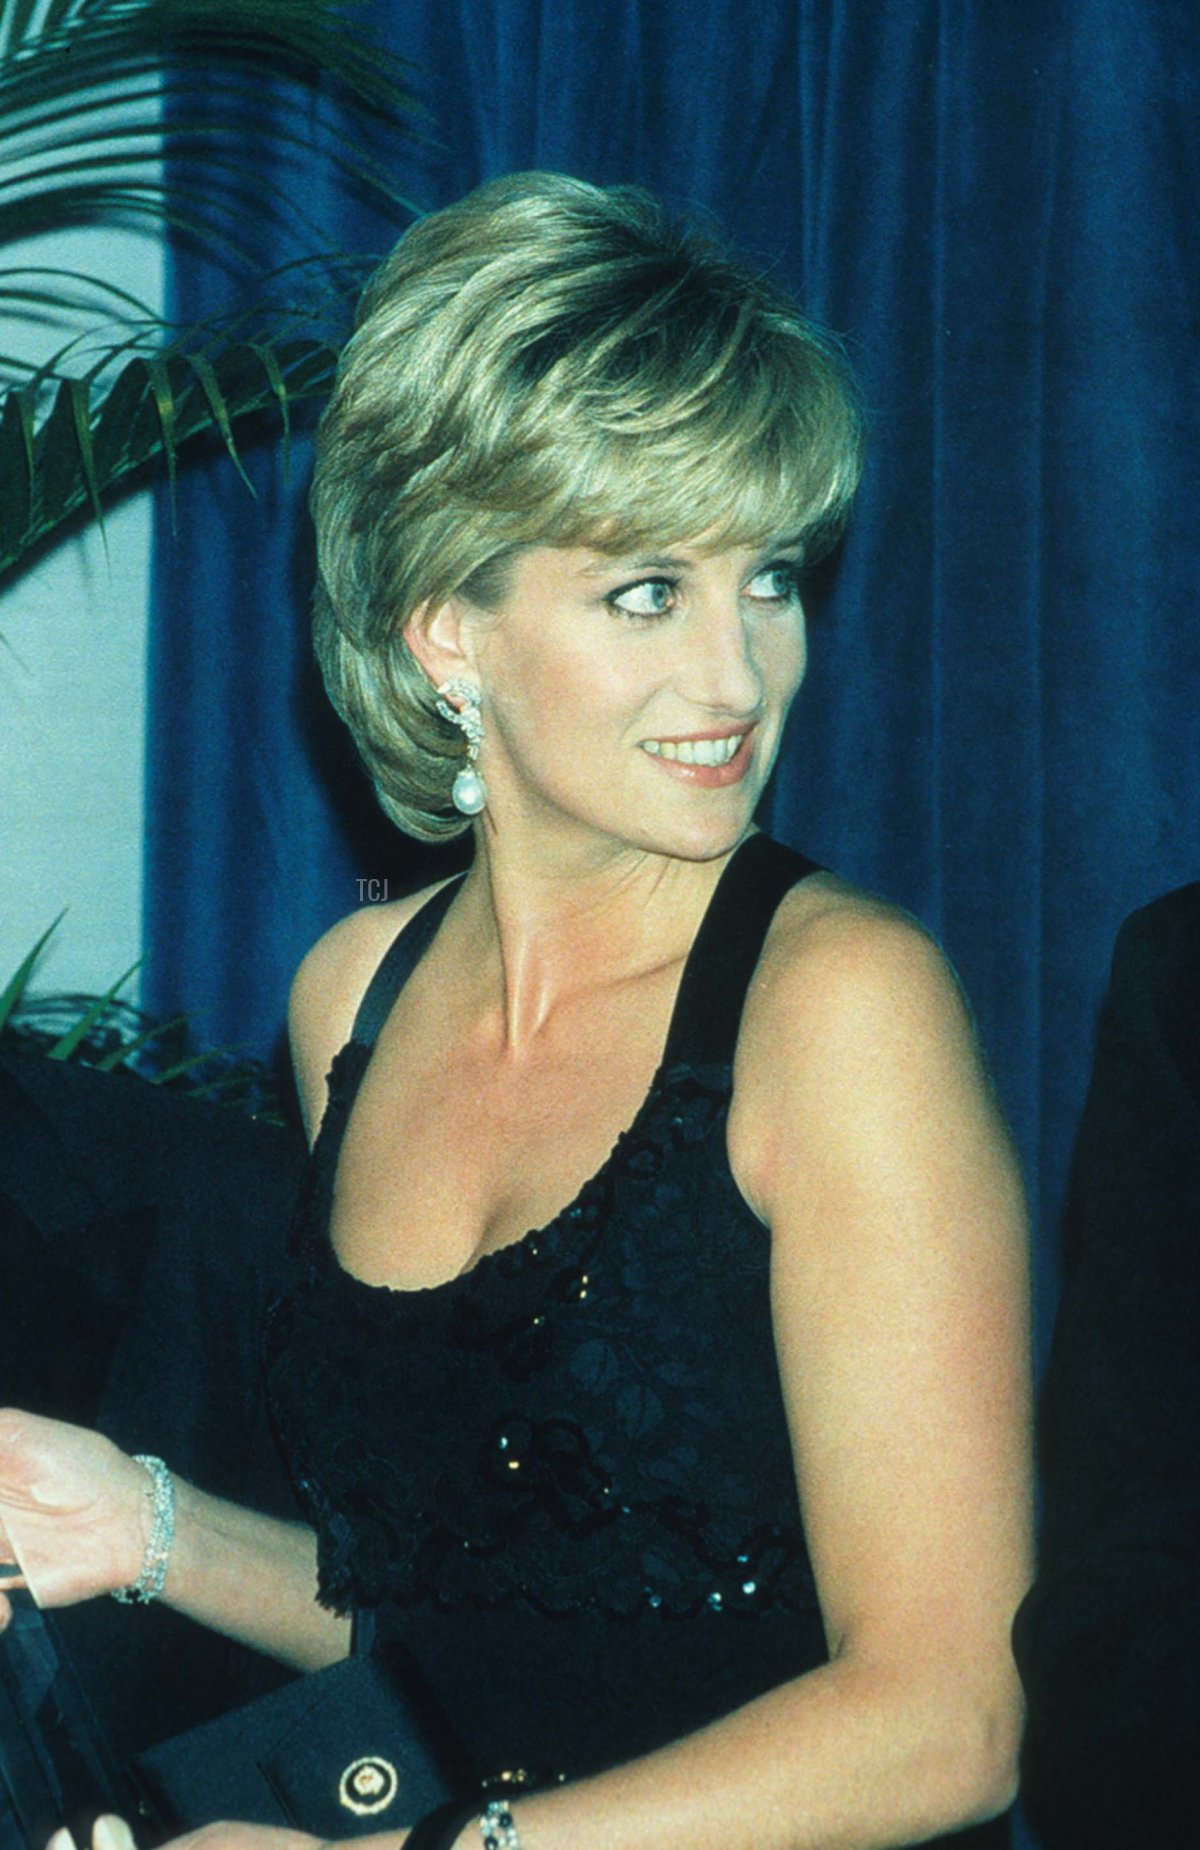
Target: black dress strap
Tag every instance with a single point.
(399, 961)
(708, 1009)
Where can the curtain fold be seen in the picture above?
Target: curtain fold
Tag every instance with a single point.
(1000, 729)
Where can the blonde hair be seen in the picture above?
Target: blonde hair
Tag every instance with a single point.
(549, 363)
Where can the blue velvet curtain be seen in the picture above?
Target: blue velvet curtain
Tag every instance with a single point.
(995, 206)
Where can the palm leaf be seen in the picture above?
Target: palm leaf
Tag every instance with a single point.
(125, 1052)
(153, 407)
(66, 1044)
(84, 139)
(109, 1034)
(195, 1060)
(15, 987)
(82, 129)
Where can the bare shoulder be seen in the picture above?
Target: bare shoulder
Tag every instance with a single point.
(329, 985)
(857, 1049)
(845, 960)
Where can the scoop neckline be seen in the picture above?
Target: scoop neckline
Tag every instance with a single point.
(524, 1249)
(518, 1250)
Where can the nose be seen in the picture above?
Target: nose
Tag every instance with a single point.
(723, 672)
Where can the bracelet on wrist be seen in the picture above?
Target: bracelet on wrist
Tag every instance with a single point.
(497, 1827)
(157, 1556)
(441, 1829)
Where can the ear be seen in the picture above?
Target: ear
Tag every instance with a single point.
(438, 636)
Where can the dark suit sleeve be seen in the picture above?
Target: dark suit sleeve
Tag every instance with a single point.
(1109, 1640)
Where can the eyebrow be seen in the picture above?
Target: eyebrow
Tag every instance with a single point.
(606, 567)
(603, 565)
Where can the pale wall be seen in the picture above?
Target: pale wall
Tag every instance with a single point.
(72, 713)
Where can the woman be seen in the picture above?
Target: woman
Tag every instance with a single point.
(574, 469)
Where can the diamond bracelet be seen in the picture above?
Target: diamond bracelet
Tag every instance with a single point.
(149, 1583)
(498, 1827)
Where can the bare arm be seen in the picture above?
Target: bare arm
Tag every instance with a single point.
(75, 1516)
(253, 1578)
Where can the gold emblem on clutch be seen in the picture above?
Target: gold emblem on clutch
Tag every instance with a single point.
(368, 1785)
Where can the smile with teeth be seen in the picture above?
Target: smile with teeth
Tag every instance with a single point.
(695, 751)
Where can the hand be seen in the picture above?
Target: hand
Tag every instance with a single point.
(73, 1512)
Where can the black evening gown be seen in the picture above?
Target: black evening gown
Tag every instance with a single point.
(562, 1481)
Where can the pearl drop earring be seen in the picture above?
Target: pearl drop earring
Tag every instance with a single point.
(468, 792)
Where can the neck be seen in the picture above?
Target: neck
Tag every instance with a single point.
(548, 931)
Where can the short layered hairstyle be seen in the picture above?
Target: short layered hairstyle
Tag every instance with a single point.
(550, 363)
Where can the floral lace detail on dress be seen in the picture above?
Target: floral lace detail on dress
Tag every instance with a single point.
(589, 1419)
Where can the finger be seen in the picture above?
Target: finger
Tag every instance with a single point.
(61, 1840)
(112, 1833)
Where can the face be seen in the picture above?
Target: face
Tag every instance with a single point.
(639, 699)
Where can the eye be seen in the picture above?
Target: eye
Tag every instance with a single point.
(647, 597)
(776, 584)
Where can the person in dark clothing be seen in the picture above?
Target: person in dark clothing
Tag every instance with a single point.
(1108, 1641)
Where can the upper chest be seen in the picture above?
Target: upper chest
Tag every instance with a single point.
(454, 1147)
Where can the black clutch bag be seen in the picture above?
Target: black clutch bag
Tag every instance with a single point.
(339, 1752)
(359, 1747)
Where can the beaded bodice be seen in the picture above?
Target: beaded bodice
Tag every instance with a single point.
(589, 1420)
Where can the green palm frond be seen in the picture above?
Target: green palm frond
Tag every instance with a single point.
(111, 1034)
(85, 140)
(66, 1044)
(94, 439)
(14, 989)
(82, 129)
